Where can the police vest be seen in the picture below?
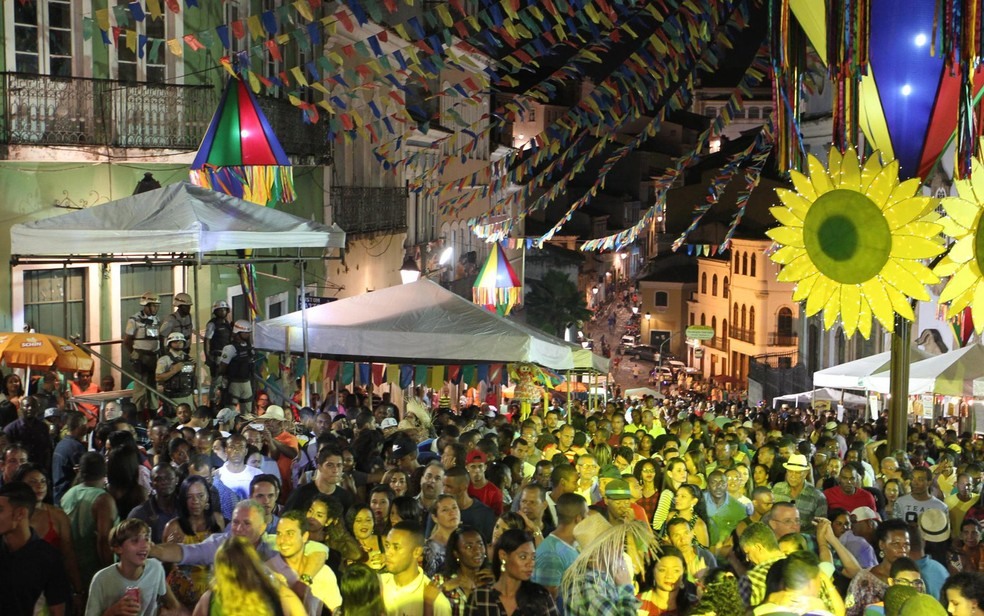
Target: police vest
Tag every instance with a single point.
(182, 383)
(147, 334)
(241, 367)
(221, 335)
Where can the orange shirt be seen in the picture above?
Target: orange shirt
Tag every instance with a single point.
(284, 463)
(91, 411)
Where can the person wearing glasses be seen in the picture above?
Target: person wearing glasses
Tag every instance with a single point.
(904, 572)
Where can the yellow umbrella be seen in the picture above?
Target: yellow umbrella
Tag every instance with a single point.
(31, 350)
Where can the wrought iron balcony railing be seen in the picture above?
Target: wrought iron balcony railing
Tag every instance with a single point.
(717, 342)
(745, 335)
(783, 339)
(48, 110)
(364, 209)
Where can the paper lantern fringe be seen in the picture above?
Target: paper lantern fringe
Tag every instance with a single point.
(263, 185)
(507, 297)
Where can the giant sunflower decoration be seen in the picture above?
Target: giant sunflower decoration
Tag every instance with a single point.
(853, 239)
(965, 261)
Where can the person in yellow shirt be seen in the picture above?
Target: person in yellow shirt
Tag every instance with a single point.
(961, 502)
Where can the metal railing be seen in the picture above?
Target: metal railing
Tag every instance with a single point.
(745, 335)
(364, 209)
(717, 342)
(48, 110)
(783, 339)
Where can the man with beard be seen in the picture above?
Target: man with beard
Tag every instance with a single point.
(431, 484)
(326, 481)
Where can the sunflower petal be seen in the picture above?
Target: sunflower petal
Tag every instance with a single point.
(962, 301)
(850, 307)
(786, 216)
(919, 270)
(904, 212)
(902, 279)
(900, 303)
(906, 190)
(976, 183)
(872, 167)
(787, 236)
(831, 310)
(962, 211)
(803, 186)
(798, 204)
(850, 172)
(881, 304)
(834, 162)
(881, 187)
(962, 250)
(864, 319)
(914, 247)
(786, 254)
(818, 176)
(821, 292)
(962, 280)
(798, 269)
(803, 287)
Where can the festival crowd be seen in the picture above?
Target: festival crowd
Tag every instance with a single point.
(672, 506)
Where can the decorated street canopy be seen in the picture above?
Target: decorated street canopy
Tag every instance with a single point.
(497, 287)
(240, 155)
(851, 375)
(949, 374)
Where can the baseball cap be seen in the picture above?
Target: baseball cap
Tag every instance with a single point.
(618, 489)
(934, 525)
(862, 514)
(476, 455)
(389, 422)
(401, 448)
(226, 415)
(609, 471)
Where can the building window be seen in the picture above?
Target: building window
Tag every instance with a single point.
(692, 318)
(152, 67)
(724, 288)
(714, 285)
(744, 317)
(714, 325)
(751, 320)
(744, 264)
(54, 301)
(752, 268)
(784, 322)
(753, 113)
(736, 262)
(703, 283)
(734, 316)
(703, 319)
(135, 280)
(661, 299)
(43, 43)
(710, 112)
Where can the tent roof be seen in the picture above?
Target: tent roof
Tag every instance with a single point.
(850, 375)
(823, 393)
(949, 374)
(179, 218)
(420, 322)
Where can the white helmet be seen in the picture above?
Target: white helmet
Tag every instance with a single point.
(182, 299)
(220, 304)
(242, 326)
(149, 298)
(175, 337)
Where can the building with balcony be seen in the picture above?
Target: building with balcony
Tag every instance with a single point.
(664, 294)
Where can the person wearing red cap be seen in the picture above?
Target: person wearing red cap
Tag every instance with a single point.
(480, 487)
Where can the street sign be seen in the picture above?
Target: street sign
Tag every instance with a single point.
(700, 332)
(698, 353)
(314, 300)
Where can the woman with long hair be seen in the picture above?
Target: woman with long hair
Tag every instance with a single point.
(405, 508)
(963, 594)
(509, 520)
(198, 517)
(397, 481)
(512, 593)
(242, 586)
(360, 522)
(10, 398)
(50, 522)
(675, 475)
(689, 505)
(671, 593)
(361, 592)
(122, 477)
(646, 471)
(894, 488)
(696, 466)
(645, 444)
(446, 517)
(465, 568)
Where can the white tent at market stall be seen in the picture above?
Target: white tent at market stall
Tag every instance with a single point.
(419, 322)
(179, 219)
(851, 375)
(853, 401)
(949, 374)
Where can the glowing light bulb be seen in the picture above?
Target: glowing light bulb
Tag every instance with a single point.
(906, 90)
(920, 40)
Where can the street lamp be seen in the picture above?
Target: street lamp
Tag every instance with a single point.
(594, 290)
(409, 272)
(648, 316)
(635, 310)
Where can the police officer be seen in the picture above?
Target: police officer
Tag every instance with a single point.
(142, 340)
(179, 320)
(218, 333)
(236, 368)
(176, 372)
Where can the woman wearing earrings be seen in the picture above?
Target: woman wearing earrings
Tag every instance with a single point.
(512, 593)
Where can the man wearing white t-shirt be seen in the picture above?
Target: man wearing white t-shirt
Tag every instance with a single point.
(406, 590)
(232, 479)
(911, 506)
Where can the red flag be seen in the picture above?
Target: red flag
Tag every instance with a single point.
(274, 50)
(377, 373)
(331, 370)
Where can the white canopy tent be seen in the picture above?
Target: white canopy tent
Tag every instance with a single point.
(949, 374)
(828, 394)
(178, 218)
(851, 375)
(642, 392)
(419, 322)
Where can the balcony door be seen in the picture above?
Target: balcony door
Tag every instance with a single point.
(44, 42)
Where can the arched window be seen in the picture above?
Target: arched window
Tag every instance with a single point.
(661, 299)
(703, 283)
(751, 320)
(703, 319)
(724, 328)
(744, 317)
(714, 285)
(692, 318)
(753, 266)
(784, 322)
(725, 288)
(734, 315)
(736, 262)
(744, 264)
(714, 324)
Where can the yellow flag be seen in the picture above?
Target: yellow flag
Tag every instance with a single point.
(254, 83)
(302, 7)
(255, 27)
(298, 75)
(176, 48)
(131, 40)
(154, 7)
(102, 18)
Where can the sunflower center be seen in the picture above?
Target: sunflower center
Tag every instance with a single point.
(979, 243)
(847, 236)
